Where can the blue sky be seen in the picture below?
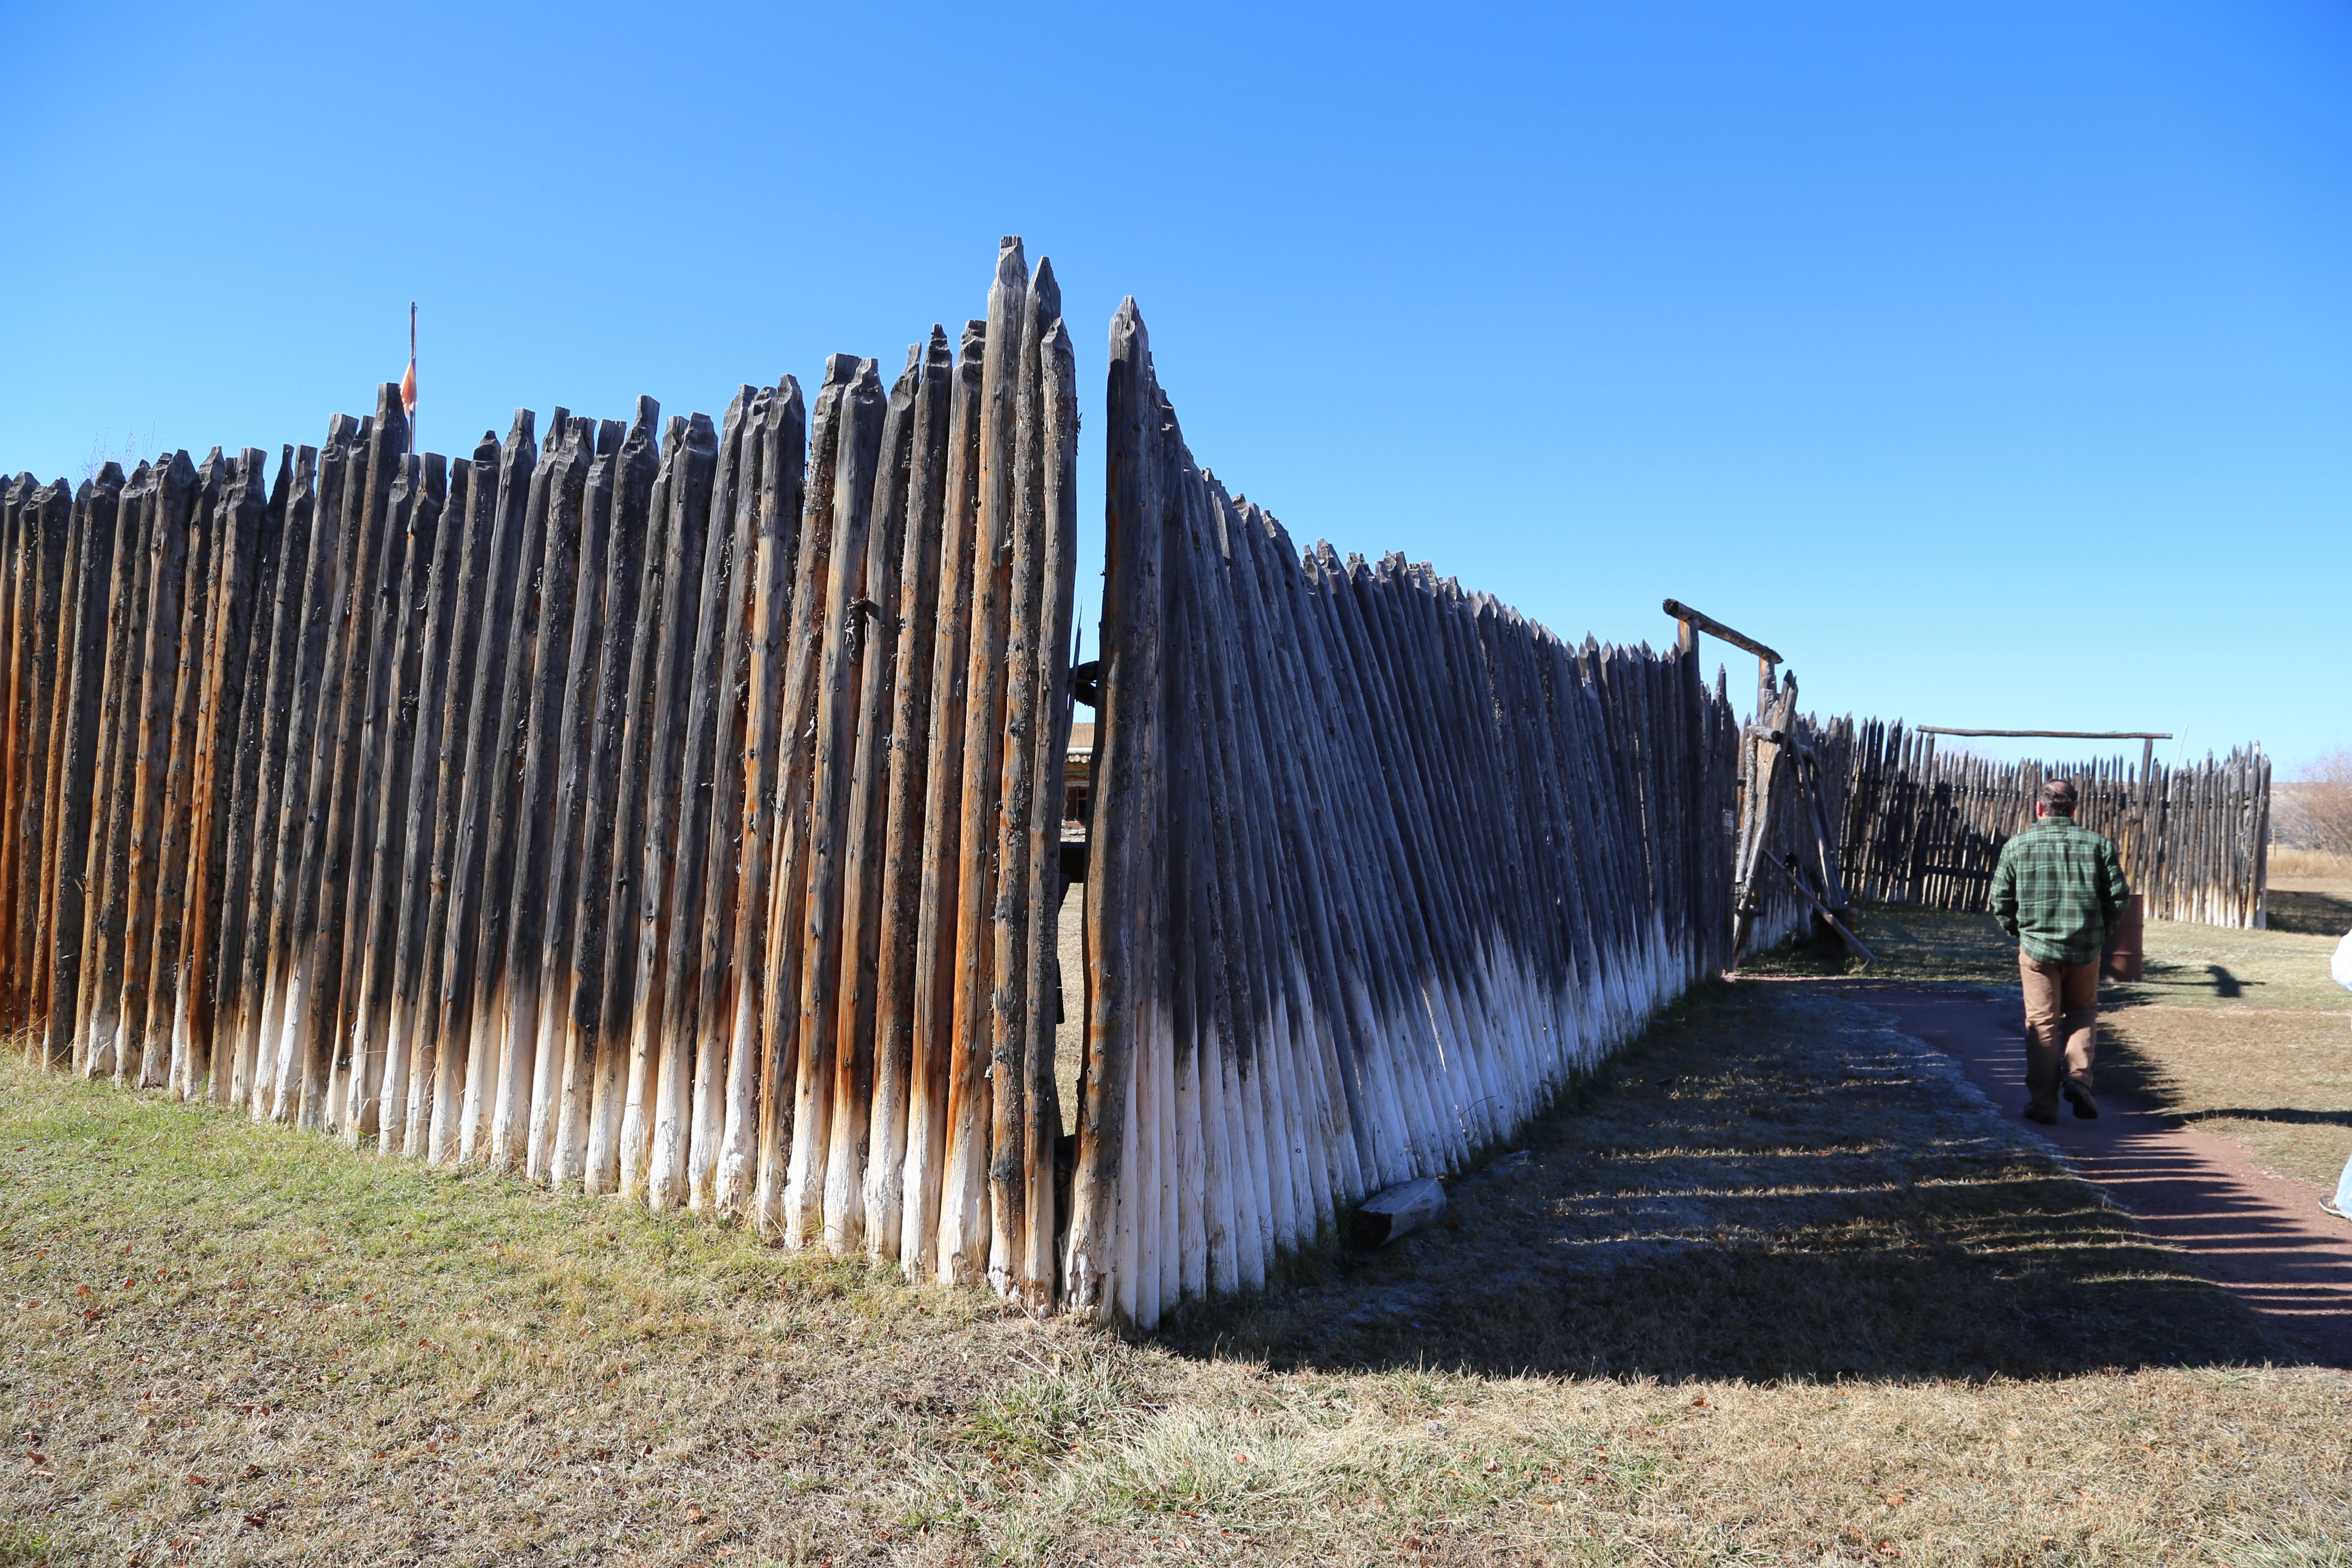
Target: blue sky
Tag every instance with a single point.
(1992, 362)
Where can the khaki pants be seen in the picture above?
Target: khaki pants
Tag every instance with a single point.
(2062, 1025)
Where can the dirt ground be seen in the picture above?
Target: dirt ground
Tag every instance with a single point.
(1772, 1288)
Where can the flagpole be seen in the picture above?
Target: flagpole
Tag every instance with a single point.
(410, 389)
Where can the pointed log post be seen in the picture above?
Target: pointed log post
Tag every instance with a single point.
(1036, 1278)
(858, 455)
(246, 552)
(436, 550)
(1118, 835)
(930, 1048)
(50, 522)
(688, 496)
(376, 1088)
(294, 1077)
(505, 829)
(1030, 645)
(328, 940)
(478, 792)
(783, 438)
(471, 514)
(963, 1204)
(284, 791)
(17, 569)
(874, 629)
(904, 827)
(249, 828)
(615, 1074)
(180, 814)
(540, 678)
(736, 508)
(118, 724)
(779, 1024)
(612, 826)
(557, 976)
(705, 705)
(84, 639)
(150, 759)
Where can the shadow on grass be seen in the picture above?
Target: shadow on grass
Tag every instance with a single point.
(2311, 914)
(1772, 1185)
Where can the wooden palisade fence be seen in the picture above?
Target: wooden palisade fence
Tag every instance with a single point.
(651, 807)
(1923, 826)
(1378, 865)
(672, 808)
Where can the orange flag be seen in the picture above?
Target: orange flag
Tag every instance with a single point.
(408, 382)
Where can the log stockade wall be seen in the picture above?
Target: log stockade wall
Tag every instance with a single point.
(1923, 826)
(652, 807)
(1377, 867)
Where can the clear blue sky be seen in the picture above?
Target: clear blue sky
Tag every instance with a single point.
(1993, 362)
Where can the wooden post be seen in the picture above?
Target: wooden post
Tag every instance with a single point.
(906, 830)
(931, 1046)
(247, 548)
(609, 848)
(872, 631)
(781, 470)
(478, 791)
(51, 523)
(857, 459)
(84, 636)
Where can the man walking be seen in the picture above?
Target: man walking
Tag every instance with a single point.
(2059, 891)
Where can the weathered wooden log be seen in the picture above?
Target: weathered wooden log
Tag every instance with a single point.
(173, 499)
(543, 675)
(290, 1074)
(1036, 1271)
(855, 459)
(17, 552)
(245, 553)
(448, 490)
(1095, 1283)
(504, 831)
(779, 1020)
(83, 640)
(479, 791)
(357, 680)
(736, 510)
(783, 440)
(688, 495)
(904, 827)
(642, 498)
(870, 638)
(376, 1089)
(247, 827)
(558, 1083)
(298, 627)
(1007, 1019)
(179, 813)
(471, 512)
(706, 711)
(939, 897)
(49, 523)
(964, 1222)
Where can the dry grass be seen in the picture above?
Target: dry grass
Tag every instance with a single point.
(1769, 1290)
(2308, 865)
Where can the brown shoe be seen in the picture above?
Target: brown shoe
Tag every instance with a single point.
(2047, 1118)
(2080, 1099)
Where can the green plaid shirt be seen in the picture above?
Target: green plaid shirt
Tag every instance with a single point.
(2059, 891)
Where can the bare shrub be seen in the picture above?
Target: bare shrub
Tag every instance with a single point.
(2314, 810)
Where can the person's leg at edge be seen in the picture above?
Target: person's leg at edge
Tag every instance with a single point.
(2343, 1200)
(2043, 1052)
(2079, 993)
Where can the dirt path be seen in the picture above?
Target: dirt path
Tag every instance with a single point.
(2259, 1236)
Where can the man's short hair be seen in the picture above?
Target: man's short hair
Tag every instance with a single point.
(2059, 795)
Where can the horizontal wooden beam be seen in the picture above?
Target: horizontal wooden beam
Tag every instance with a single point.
(2052, 734)
(1683, 612)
